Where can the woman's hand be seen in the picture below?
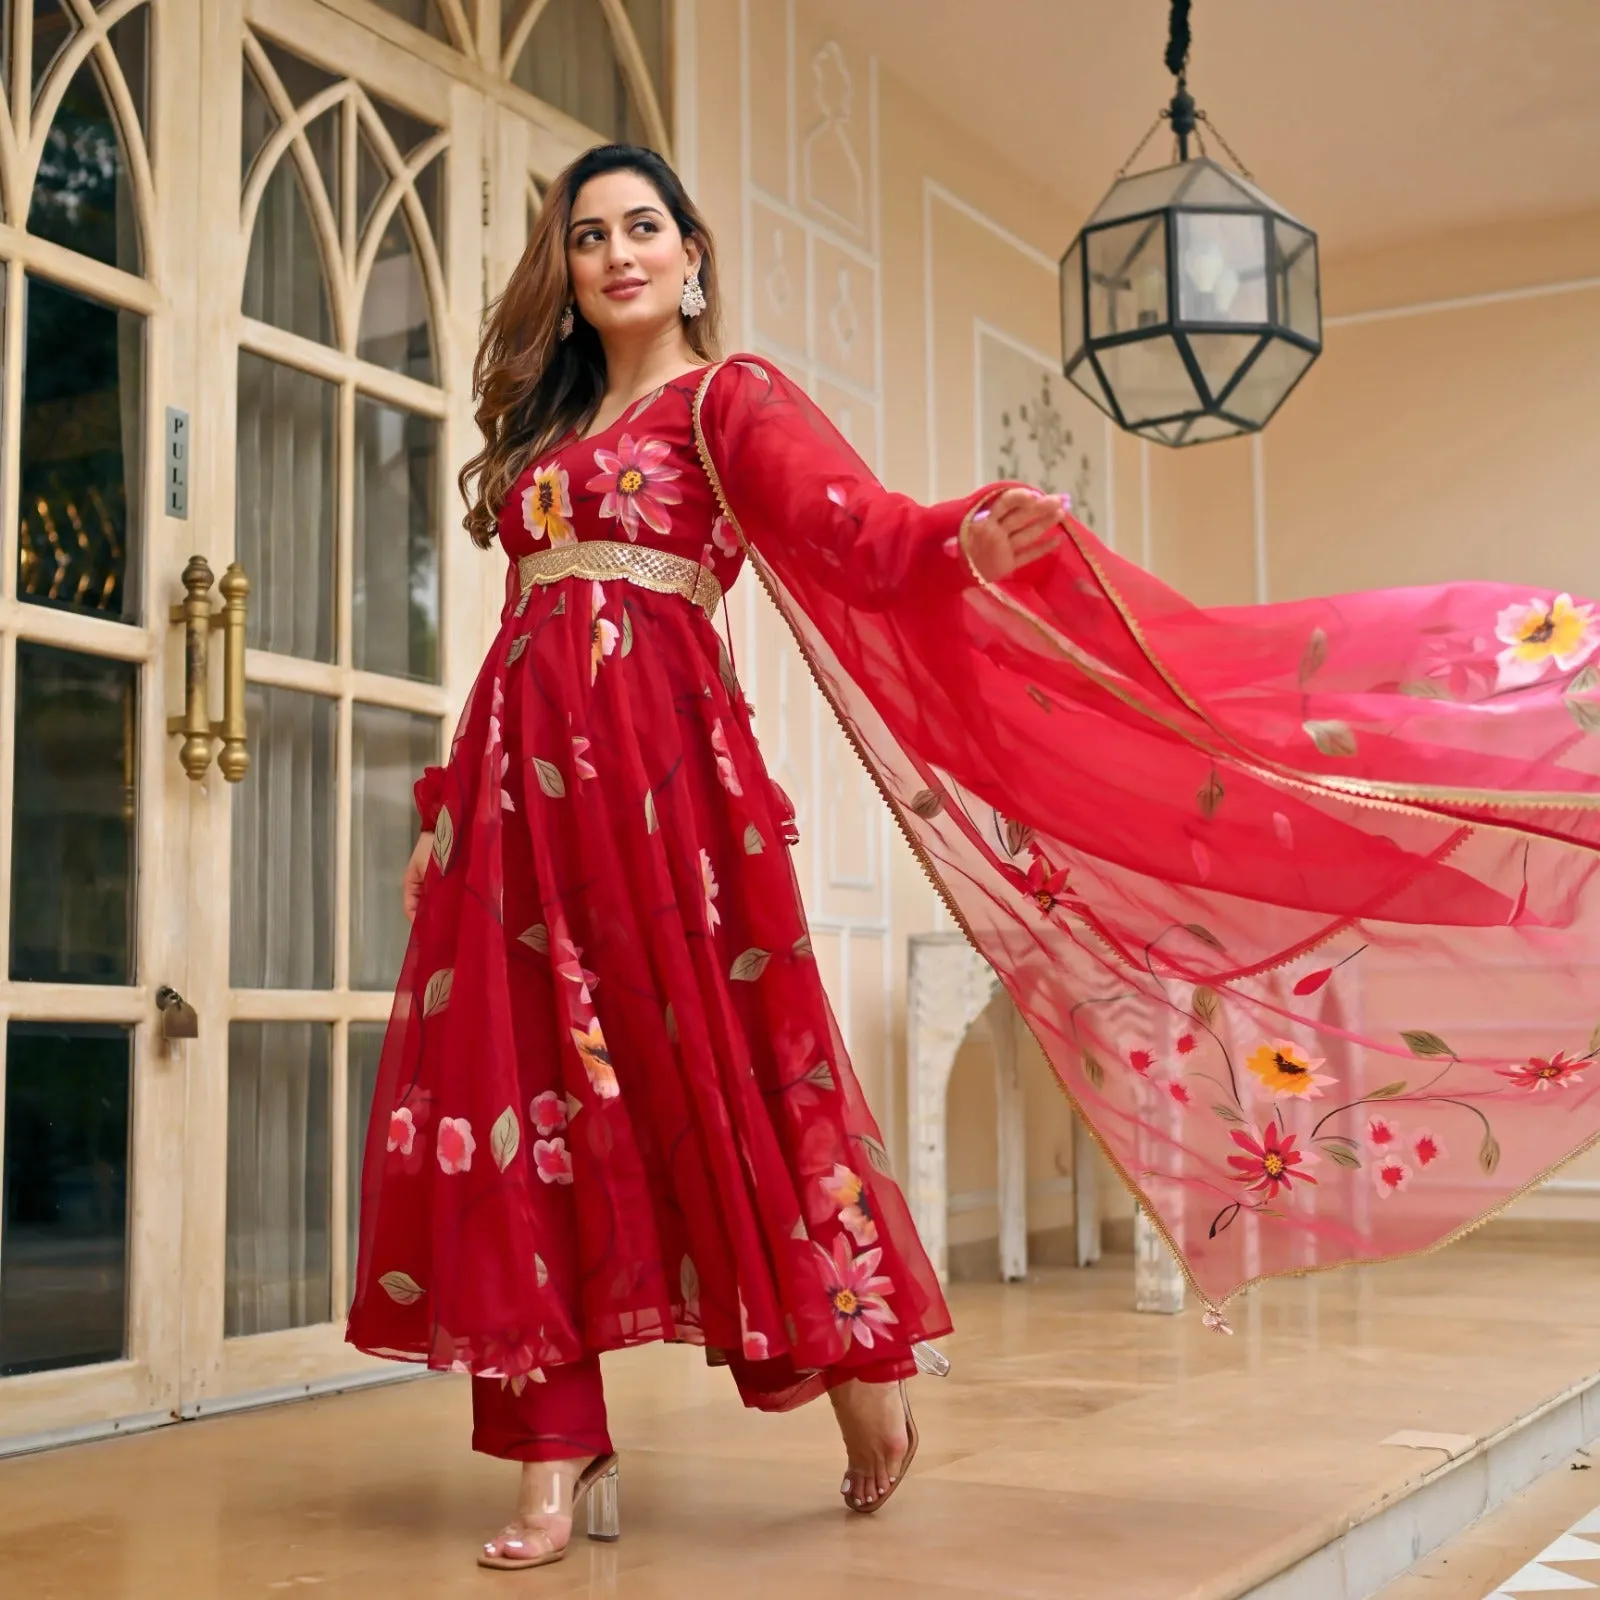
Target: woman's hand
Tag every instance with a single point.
(1016, 527)
(416, 870)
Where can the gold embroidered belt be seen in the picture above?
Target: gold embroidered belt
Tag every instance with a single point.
(609, 561)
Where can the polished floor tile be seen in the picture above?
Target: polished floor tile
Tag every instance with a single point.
(1079, 1452)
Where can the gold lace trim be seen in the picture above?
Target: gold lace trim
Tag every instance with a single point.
(607, 561)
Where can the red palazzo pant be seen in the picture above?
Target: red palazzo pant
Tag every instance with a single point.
(564, 1418)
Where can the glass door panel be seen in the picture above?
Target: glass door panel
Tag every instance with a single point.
(93, 807)
(343, 406)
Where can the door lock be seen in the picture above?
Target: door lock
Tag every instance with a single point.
(179, 1019)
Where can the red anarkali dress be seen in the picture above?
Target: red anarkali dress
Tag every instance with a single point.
(613, 1104)
(1301, 901)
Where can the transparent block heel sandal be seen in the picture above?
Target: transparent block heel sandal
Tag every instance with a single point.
(598, 1485)
(931, 1363)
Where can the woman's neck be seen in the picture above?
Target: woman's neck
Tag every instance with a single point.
(635, 368)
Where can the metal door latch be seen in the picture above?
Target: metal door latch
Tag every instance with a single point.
(179, 1019)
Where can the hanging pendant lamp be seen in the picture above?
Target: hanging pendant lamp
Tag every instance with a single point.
(1190, 301)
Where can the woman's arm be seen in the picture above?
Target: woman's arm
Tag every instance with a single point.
(785, 473)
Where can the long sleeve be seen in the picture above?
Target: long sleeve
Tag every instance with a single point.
(789, 475)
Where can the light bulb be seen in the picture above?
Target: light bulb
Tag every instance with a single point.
(1204, 265)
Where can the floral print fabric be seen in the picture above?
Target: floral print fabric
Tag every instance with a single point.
(613, 1105)
(1302, 901)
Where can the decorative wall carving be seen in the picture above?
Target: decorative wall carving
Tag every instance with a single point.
(1034, 426)
(835, 183)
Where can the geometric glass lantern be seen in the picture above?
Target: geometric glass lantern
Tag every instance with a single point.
(1190, 303)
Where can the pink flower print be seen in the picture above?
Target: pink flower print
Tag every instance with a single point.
(552, 1160)
(506, 802)
(846, 1190)
(603, 635)
(1179, 1091)
(1390, 1175)
(725, 769)
(708, 881)
(754, 1345)
(402, 1130)
(455, 1144)
(1141, 1061)
(1536, 1076)
(547, 506)
(1427, 1148)
(724, 538)
(580, 763)
(568, 963)
(638, 485)
(1186, 1044)
(548, 1113)
(856, 1292)
(1382, 1134)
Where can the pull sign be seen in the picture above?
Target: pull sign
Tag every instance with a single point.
(177, 463)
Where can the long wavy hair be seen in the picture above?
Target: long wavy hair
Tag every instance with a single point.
(533, 387)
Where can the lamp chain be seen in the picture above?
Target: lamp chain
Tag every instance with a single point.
(1233, 155)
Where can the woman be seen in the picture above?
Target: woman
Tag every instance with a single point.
(614, 1106)
(1301, 901)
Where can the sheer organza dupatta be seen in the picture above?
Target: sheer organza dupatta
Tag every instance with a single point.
(1299, 900)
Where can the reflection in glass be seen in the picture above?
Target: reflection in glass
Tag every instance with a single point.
(570, 62)
(258, 121)
(395, 325)
(83, 194)
(53, 27)
(371, 179)
(130, 44)
(395, 614)
(389, 751)
(1127, 277)
(283, 278)
(361, 1080)
(409, 133)
(82, 430)
(1149, 379)
(285, 490)
(282, 904)
(1222, 261)
(64, 1243)
(279, 1177)
(72, 836)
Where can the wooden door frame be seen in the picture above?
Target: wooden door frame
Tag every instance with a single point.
(142, 1388)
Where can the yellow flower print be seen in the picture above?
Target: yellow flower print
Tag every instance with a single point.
(547, 507)
(1541, 632)
(1287, 1071)
(846, 1190)
(596, 1060)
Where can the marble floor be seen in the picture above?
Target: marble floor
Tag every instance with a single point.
(1079, 1451)
(1544, 1540)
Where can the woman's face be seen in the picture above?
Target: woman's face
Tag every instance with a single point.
(625, 256)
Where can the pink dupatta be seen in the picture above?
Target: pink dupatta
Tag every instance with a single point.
(1299, 900)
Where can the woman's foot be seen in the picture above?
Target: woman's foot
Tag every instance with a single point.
(872, 1419)
(541, 1528)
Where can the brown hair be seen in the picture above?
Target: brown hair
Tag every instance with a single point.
(533, 387)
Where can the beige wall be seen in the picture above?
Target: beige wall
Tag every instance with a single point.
(906, 275)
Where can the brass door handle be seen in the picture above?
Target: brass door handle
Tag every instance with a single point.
(198, 619)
